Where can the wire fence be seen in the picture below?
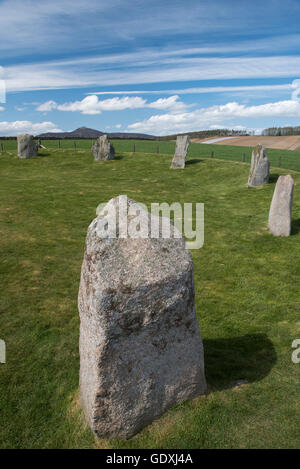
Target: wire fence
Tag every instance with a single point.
(285, 159)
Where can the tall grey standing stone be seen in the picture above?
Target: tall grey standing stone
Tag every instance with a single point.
(27, 147)
(260, 167)
(103, 149)
(140, 344)
(280, 215)
(182, 145)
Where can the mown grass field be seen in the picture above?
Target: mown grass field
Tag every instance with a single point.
(288, 159)
(247, 298)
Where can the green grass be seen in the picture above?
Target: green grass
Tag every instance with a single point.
(288, 159)
(247, 299)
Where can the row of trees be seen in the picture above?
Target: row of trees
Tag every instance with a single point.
(277, 131)
(209, 133)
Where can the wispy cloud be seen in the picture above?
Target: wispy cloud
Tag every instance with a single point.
(204, 90)
(55, 75)
(231, 48)
(76, 25)
(2, 86)
(55, 23)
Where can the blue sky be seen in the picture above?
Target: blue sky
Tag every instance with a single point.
(156, 67)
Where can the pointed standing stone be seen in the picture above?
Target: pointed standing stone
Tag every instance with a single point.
(27, 147)
(140, 344)
(182, 145)
(102, 149)
(280, 216)
(260, 167)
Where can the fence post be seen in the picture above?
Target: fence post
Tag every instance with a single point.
(133, 148)
(74, 145)
(2, 147)
(243, 157)
(157, 148)
(212, 154)
(59, 144)
(279, 162)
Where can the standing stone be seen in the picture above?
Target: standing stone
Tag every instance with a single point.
(140, 344)
(182, 145)
(27, 147)
(103, 149)
(280, 216)
(260, 167)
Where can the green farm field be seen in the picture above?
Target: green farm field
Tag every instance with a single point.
(246, 294)
(288, 159)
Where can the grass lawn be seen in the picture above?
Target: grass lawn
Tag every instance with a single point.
(247, 297)
(288, 159)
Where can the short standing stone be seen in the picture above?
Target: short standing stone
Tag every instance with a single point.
(182, 145)
(280, 216)
(103, 149)
(27, 147)
(260, 167)
(140, 343)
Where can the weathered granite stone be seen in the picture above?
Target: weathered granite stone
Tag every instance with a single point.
(27, 147)
(140, 344)
(280, 216)
(182, 145)
(260, 167)
(103, 149)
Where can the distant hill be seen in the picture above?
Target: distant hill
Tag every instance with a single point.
(85, 132)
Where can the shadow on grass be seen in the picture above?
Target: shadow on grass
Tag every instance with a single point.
(295, 229)
(193, 161)
(118, 157)
(273, 178)
(242, 359)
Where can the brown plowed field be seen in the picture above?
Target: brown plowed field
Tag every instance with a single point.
(285, 143)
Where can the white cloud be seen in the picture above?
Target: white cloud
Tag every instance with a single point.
(172, 104)
(47, 106)
(214, 115)
(92, 105)
(2, 108)
(296, 89)
(19, 127)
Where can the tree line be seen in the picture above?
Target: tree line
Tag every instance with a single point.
(278, 131)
